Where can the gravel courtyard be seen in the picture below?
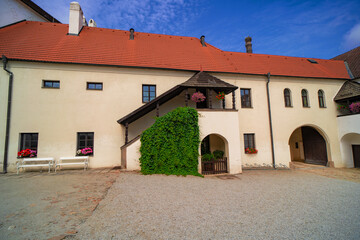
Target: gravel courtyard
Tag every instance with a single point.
(280, 204)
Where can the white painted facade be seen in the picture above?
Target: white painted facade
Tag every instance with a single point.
(57, 115)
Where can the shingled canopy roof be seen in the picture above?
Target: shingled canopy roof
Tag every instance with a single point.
(198, 80)
(348, 91)
(205, 80)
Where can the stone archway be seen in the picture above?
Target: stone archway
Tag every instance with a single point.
(213, 145)
(308, 145)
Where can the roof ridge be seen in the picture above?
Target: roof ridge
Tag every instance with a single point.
(273, 55)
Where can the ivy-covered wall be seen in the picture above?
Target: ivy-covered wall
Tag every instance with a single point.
(171, 145)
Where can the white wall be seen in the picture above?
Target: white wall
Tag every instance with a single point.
(58, 114)
(219, 122)
(13, 11)
(349, 134)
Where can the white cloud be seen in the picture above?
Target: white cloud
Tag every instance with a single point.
(352, 38)
(156, 16)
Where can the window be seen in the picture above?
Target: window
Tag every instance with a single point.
(287, 97)
(249, 140)
(50, 84)
(85, 140)
(305, 99)
(28, 141)
(321, 98)
(94, 86)
(148, 93)
(245, 97)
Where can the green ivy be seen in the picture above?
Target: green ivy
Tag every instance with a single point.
(171, 145)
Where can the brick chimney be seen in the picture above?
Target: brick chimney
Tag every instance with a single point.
(248, 45)
(76, 20)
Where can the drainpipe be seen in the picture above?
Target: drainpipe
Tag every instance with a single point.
(270, 120)
(8, 115)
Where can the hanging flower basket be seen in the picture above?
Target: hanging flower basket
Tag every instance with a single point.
(251, 150)
(84, 152)
(355, 107)
(27, 153)
(198, 97)
(220, 96)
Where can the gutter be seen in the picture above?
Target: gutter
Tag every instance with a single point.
(8, 114)
(270, 120)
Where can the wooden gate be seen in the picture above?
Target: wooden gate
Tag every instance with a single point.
(314, 146)
(214, 167)
(356, 154)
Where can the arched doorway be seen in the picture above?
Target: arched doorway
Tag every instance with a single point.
(214, 154)
(308, 145)
(350, 149)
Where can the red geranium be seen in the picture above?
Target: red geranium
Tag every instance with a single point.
(27, 153)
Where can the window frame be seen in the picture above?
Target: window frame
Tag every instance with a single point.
(287, 98)
(86, 145)
(249, 142)
(22, 140)
(148, 92)
(43, 85)
(321, 99)
(243, 100)
(95, 83)
(305, 98)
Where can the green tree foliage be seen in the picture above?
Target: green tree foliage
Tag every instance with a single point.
(171, 145)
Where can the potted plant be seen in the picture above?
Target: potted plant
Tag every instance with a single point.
(354, 107)
(198, 97)
(218, 154)
(84, 152)
(251, 150)
(220, 96)
(27, 153)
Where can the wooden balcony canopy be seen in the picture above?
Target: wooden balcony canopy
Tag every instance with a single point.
(349, 90)
(198, 80)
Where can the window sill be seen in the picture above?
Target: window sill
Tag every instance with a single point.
(50, 87)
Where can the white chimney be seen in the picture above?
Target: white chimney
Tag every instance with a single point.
(92, 23)
(75, 18)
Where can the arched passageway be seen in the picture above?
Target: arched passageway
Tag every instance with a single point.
(214, 154)
(309, 146)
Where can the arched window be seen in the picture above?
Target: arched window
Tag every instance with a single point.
(321, 97)
(287, 97)
(305, 98)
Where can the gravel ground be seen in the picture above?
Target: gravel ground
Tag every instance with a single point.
(274, 204)
(36, 205)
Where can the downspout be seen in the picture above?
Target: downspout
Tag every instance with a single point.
(8, 114)
(270, 120)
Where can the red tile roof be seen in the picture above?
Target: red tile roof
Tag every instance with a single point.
(49, 42)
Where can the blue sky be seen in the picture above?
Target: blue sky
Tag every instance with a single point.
(316, 29)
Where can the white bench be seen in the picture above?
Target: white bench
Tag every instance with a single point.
(35, 162)
(68, 161)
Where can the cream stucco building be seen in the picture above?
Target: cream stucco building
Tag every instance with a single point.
(76, 86)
